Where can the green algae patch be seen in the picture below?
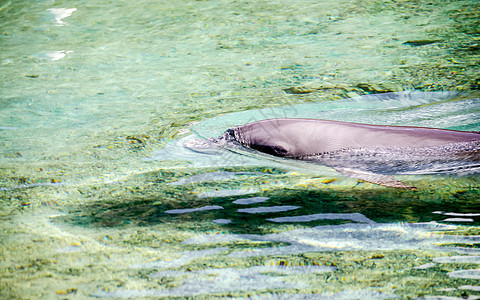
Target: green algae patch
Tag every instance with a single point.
(92, 93)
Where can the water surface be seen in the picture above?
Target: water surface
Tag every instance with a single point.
(99, 198)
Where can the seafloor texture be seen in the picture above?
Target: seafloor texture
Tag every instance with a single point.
(100, 198)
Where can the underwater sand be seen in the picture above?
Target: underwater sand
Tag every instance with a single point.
(98, 198)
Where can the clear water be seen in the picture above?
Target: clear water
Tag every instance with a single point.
(100, 199)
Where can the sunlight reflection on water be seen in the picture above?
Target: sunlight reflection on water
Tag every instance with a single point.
(102, 198)
(60, 14)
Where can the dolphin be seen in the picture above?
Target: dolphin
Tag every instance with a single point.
(372, 153)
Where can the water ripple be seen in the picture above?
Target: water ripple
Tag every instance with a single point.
(355, 217)
(253, 200)
(268, 209)
(189, 210)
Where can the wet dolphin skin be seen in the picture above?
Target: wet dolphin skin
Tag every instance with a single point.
(356, 147)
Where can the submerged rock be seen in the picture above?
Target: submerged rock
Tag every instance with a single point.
(416, 43)
(313, 86)
(376, 88)
(298, 90)
(362, 87)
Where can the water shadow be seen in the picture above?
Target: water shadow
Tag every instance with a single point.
(156, 197)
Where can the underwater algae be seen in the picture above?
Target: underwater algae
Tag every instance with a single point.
(144, 240)
(86, 106)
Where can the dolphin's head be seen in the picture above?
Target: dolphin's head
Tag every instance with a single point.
(265, 139)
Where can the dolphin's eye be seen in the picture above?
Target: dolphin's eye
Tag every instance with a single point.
(280, 150)
(229, 135)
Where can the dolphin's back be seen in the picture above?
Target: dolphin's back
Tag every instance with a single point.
(297, 137)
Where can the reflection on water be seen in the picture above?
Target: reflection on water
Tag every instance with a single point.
(269, 209)
(101, 194)
(54, 55)
(282, 276)
(226, 193)
(344, 237)
(189, 210)
(226, 279)
(217, 175)
(468, 274)
(449, 110)
(355, 217)
(246, 201)
(60, 14)
(348, 225)
(182, 260)
(222, 221)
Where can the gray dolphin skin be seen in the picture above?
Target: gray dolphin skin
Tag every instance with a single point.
(371, 153)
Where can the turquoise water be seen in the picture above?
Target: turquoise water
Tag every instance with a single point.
(100, 198)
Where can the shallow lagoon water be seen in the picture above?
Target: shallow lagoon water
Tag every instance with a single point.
(99, 198)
